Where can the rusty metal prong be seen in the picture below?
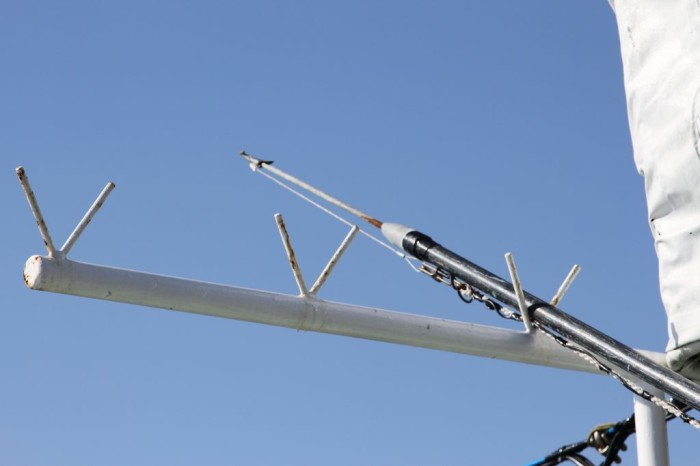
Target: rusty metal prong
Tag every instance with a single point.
(34, 205)
(68, 245)
(298, 277)
(559, 295)
(334, 260)
(519, 293)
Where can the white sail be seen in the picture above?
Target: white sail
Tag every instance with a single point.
(660, 45)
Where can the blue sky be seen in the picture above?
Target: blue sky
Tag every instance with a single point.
(492, 126)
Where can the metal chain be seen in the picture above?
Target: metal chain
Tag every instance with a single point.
(468, 294)
(627, 383)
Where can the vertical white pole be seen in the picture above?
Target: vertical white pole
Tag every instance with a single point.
(652, 435)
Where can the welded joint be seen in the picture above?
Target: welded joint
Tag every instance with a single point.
(519, 293)
(41, 223)
(565, 285)
(291, 255)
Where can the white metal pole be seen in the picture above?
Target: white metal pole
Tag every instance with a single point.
(97, 205)
(652, 433)
(291, 256)
(38, 216)
(519, 293)
(326, 272)
(301, 313)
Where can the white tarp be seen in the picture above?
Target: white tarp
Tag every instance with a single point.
(660, 45)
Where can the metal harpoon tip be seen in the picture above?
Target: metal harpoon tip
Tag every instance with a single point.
(254, 163)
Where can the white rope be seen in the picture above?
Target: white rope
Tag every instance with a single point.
(339, 218)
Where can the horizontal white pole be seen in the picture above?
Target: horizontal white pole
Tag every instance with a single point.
(301, 313)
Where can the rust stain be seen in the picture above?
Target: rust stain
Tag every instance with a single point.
(373, 221)
(290, 251)
(326, 273)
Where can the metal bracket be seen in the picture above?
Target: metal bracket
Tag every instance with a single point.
(294, 263)
(41, 223)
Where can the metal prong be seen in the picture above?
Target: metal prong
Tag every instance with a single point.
(334, 260)
(34, 205)
(68, 245)
(518, 287)
(559, 295)
(298, 277)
